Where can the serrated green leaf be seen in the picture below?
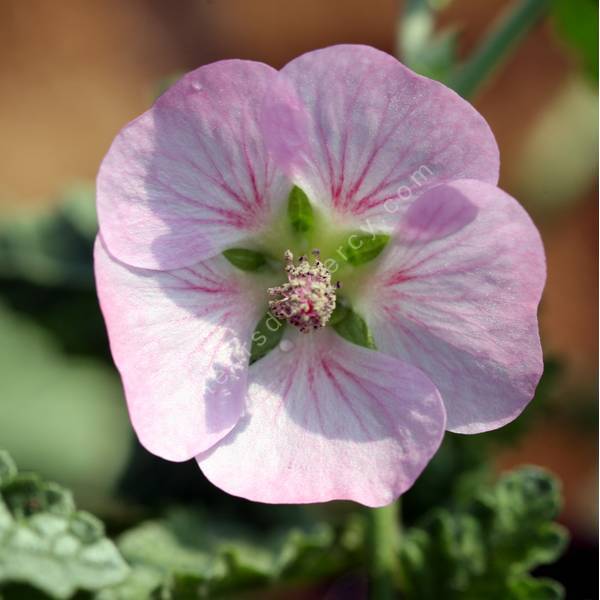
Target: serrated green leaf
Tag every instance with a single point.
(485, 547)
(352, 327)
(244, 259)
(300, 212)
(266, 336)
(45, 543)
(361, 248)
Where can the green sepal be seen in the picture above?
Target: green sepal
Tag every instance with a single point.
(244, 259)
(361, 248)
(352, 327)
(266, 336)
(339, 314)
(300, 212)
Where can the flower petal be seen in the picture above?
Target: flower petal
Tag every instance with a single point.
(181, 342)
(191, 176)
(378, 133)
(329, 420)
(463, 306)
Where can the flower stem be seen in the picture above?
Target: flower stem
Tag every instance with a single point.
(385, 545)
(497, 45)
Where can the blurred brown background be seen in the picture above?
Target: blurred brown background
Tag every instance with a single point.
(74, 72)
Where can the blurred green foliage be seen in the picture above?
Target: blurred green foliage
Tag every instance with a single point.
(46, 542)
(487, 544)
(482, 546)
(217, 558)
(577, 22)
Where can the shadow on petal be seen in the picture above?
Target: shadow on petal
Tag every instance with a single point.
(440, 212)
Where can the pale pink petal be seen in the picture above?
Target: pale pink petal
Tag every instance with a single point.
(180, 340)
(191, 176)
(378, 133)
(285, 125)
(329, 420)
(463, 307)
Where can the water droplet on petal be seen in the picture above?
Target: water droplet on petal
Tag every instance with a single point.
(286, 345)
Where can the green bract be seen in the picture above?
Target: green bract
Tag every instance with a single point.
(266, 336)
(361, 248)
(300, 212)
(352, 327)
(246, 260)
(301, 231)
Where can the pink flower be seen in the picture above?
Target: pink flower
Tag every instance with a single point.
(451, 301)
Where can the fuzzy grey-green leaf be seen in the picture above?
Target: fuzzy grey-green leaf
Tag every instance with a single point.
(49, 545)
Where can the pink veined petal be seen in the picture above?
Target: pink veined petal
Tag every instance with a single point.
(191, 176)
(285, 125)
(463, 306)
(329, 420)
(180, 340)
(378, 133)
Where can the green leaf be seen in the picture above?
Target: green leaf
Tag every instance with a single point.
(187, 553)
(244, 259)
(49, 545)
(361, 248)
(485, 546)
(266, 336)
(352, 327)
(300, 212)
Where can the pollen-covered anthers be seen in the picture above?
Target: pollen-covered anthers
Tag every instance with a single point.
(308, 299)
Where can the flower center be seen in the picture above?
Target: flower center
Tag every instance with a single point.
(308, 299)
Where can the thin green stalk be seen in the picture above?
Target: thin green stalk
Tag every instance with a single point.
(497, 45)
(385, 546)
